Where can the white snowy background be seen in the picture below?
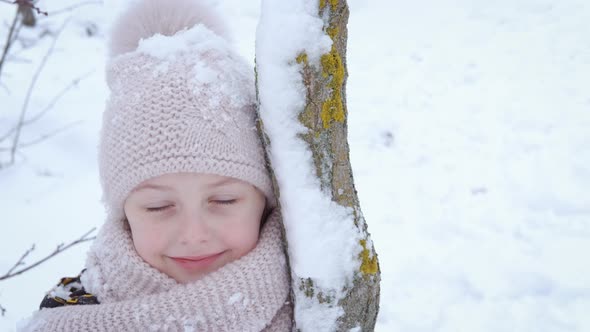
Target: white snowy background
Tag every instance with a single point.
(469, 129)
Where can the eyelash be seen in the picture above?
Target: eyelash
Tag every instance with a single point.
(156, 209)
(227, 202)
(161, 208)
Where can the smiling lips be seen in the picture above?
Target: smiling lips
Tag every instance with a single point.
(193, 263)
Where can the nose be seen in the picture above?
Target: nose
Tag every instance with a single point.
(194, 227)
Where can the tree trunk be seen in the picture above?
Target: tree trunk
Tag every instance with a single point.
(325, 117)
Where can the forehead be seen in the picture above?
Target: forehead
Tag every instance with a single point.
(171, 181)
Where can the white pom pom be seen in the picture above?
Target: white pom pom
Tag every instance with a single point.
(149, 17)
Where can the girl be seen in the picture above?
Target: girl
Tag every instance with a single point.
(191, 240)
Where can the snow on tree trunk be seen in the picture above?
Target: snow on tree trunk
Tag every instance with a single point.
(301, 81)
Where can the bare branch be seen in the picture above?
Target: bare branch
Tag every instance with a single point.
(57, 97)
(59, 249)
(8, 133)
(19, 125)
(28, 17)
(49, 106)
(20, 154)
(44, 136)
(2, 310)
(76, 6)
(17, 59)
(29, 4)
(21, 260)
(9, 40)
(15, 35)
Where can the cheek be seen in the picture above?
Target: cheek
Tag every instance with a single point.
(150, 243)
(242, 237)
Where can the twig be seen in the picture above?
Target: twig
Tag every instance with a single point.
(56, 98)
(60, 248)
(15, 35)
(44, 136)
(8, 41)
(15, 58)
(21, 259)
(2, 310)
(29, 4)
(72, 7)
(49, 106)
(30, 91)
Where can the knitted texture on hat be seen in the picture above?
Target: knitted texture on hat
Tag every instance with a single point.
(179, 103)
(248, 294)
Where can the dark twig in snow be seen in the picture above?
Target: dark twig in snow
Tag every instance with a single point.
(76, 6)
(44, 136)
(21, 260)
(59, 249)
(19, 125)
(49, 106)
(9, 40)
(27, 4)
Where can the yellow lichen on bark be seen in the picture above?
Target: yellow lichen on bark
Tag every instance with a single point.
(332, 32)
(369, 263)
(301, 58)
(332, 66)
(333, 4)
(332, 109)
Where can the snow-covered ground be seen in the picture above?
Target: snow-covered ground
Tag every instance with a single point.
(470, 141)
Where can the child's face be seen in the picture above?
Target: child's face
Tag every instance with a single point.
(189, 224)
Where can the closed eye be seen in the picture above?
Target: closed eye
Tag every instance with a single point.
(159, 208)
(225, 202)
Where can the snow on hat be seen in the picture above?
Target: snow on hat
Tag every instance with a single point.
(181, 100)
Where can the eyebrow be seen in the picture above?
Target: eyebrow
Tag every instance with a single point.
(222, 182)
(152, 186)
(167, 188)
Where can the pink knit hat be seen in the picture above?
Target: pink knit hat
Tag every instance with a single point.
(181, 100)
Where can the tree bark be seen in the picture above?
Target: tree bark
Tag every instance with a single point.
(325, 117)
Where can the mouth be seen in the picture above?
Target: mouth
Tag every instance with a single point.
(195, 263)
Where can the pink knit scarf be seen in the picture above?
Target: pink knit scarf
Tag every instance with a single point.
(249, 294)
